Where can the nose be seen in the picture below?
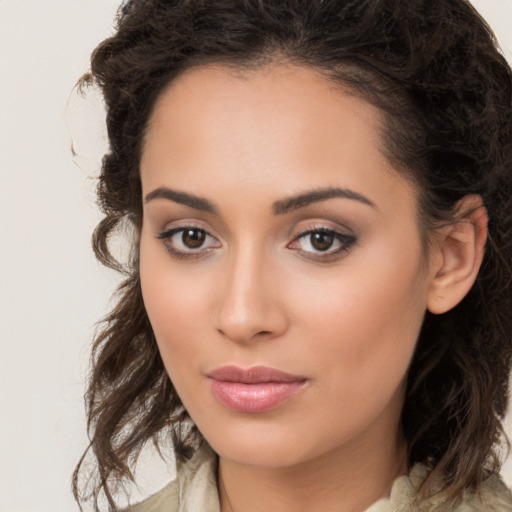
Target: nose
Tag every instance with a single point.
(250, 301)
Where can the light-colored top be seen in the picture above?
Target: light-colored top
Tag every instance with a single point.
(195, 490)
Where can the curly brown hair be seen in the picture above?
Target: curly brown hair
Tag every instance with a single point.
(434, 70)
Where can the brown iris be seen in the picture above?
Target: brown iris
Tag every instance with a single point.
(322, 241)
(193, 238)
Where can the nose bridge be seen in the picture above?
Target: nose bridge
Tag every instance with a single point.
(248, 303)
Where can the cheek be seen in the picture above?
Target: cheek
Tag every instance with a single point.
(365, 319)
(175, 302)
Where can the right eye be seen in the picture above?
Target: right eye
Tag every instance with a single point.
(188, 241)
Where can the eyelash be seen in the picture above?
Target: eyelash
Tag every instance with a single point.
(166, 236)
(345, 243)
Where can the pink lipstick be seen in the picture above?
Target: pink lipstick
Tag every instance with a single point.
(253, 390)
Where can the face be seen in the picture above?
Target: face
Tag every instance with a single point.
(281, 264)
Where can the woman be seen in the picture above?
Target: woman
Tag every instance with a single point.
(317, 309)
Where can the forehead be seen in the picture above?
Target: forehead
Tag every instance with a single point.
(281, 126)
(275, 93)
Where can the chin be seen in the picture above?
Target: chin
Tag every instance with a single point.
(258, 454)
(266, 443)
(255, 444)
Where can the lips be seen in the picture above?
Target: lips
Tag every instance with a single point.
(253, 390)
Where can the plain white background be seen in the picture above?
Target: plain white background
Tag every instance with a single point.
(52, 289)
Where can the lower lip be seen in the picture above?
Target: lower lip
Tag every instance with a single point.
(254, 398)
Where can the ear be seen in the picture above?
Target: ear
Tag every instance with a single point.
(457, 255)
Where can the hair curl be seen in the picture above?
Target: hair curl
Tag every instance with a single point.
(433, 68)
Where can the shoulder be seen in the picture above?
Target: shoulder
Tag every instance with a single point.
(164, 500)
(493, 496)
(193, 489)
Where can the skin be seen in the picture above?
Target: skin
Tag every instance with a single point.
(259, 292)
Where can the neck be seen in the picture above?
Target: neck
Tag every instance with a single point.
(348, 479)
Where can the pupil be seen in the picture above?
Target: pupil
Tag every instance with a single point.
(322, 241)
(193, 238)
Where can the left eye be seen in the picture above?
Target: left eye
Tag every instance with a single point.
(185, 241)
(326, 241)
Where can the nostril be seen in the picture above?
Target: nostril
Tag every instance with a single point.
(243, 335)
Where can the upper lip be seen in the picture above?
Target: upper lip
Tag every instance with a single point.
(254, 375)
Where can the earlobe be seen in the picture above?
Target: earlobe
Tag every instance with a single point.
(459, 254)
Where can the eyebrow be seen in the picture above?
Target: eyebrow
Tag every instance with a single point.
(307, 198)
(278, 207)
(193, 201)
